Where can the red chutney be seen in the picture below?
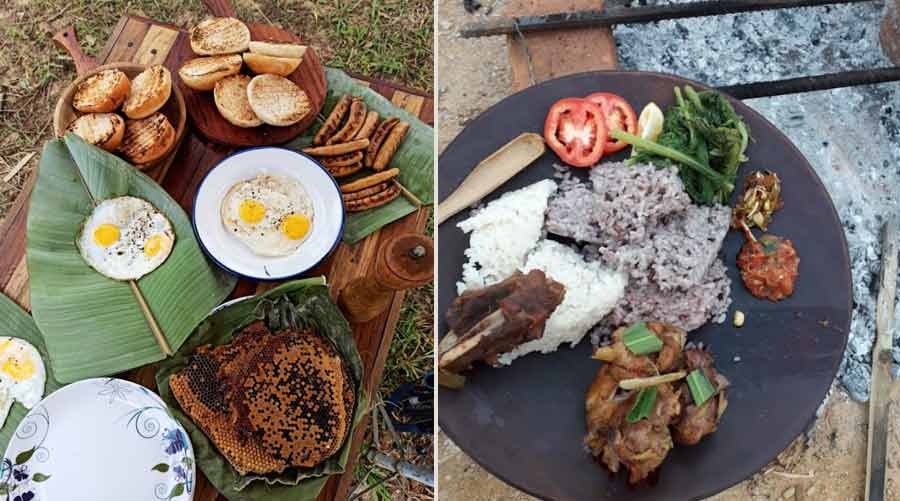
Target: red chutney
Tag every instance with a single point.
(769, 267)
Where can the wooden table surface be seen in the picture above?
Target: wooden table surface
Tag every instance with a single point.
(146, 41)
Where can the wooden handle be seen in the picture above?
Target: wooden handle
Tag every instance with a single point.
(67, 40)
(492, 172)
(879, 394)
(151, 320)
(220, 8)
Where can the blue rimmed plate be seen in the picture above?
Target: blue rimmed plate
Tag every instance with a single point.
(233, 255)
(100, 440)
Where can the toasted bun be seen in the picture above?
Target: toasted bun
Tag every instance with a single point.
(202, 73)
(277, 101)
(147, 139)
(149, 92)
(278, 49)
(282, 66)
(231, 100)
(102, 92)
(100, 129)
(220, 35)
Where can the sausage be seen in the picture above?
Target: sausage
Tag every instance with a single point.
(333, 150)
(368, 127)
(357, 195)
(333, 121)
(381, 133)
(372, 201)
(345, 171)
(355, 120)
(390, 146)
(361, 184)
(341, 160)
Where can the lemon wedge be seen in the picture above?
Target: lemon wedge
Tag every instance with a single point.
(650, 123)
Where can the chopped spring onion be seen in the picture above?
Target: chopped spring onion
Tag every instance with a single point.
(643, 405)
(640, 340)
(701, 388)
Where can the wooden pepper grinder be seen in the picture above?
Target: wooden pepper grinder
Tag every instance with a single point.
(402, 263)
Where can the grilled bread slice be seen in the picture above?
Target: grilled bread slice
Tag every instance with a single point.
(219, 35)
(260, 63)
(202, 73)
(277, 101)
(102, 92)
(230, 96)
(278, 49)
(147, 139)
(100, 129)
(149, 92)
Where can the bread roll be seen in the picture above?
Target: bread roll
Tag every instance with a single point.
(149, 92)
(277, 101)
(102, 92)
(100, 129)
(230, 96)
(278, 49)
(147, 139)
(219, 35)
(202, 73)
(260, 64)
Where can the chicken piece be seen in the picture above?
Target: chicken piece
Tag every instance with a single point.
(698, 421)
(671, 357)
(668, 359)
(644, 445)
(605, 412)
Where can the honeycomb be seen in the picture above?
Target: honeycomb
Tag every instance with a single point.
(269, 401)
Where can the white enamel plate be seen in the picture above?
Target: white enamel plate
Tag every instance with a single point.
(99, 440)
(230, 253)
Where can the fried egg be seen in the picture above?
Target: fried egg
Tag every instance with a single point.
(126, 238)
(22, 375)
(271, 215)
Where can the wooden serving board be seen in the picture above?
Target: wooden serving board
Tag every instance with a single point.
(206, 119)
(145, 41)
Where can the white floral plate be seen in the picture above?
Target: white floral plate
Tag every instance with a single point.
(101, 439)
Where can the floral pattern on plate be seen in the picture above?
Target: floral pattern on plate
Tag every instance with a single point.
(129, 414)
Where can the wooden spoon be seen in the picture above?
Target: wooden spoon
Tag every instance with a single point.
(492, 172)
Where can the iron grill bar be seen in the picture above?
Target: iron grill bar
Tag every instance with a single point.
(632, 15)
(812, 83)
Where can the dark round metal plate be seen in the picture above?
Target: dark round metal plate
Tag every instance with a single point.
(525, 423)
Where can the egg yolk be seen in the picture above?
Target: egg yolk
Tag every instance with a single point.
(19, 370)
(251, 211)
(154, 244)
(106, 235)
(295, 226)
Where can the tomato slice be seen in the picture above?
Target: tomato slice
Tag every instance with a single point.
(576, 130)
(619, 115)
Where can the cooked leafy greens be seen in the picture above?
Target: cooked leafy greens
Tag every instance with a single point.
(704, 137)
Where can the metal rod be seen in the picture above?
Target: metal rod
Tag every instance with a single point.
(813, 83)
(632, 15)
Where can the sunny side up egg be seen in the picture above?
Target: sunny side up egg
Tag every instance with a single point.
(126, 238)
(22, 375)
(271, 215)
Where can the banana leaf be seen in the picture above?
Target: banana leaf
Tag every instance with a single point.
(415, 158)
(310, 296)
(93, 326)
(15, 322)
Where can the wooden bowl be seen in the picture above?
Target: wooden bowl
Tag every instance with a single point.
(174, 108)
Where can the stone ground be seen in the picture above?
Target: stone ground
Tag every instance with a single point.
(852, 138)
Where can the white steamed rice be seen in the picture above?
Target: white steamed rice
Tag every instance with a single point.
(502, 234)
